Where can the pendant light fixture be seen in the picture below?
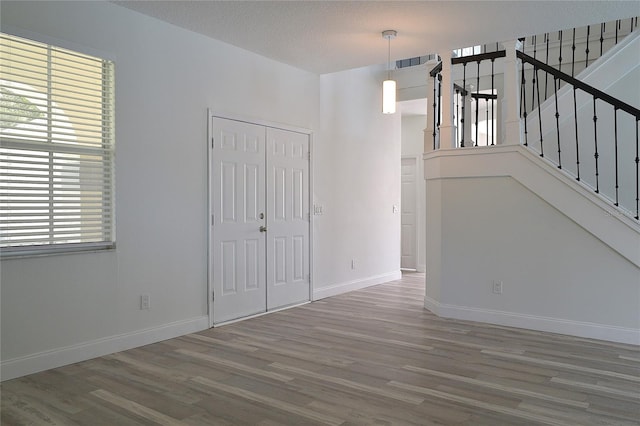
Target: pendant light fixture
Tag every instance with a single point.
(389, 86)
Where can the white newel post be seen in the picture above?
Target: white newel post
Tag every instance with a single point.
(428, 131)
(511, 124)
(447, 128)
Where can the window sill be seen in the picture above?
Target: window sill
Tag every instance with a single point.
(9, 254)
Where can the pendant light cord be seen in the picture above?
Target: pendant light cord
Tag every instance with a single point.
(389, 34)
(389, 59)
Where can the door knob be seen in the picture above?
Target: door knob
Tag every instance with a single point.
(263, 229)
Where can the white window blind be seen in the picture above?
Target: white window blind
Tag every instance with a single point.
(56, 149)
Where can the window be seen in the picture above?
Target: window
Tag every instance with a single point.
(418, 60)
(467, 51)
(56, 149)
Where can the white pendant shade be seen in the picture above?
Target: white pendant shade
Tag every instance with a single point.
(389, 97)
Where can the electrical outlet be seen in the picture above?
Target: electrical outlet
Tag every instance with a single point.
(145, 302)
(497, 287)
(353, 264)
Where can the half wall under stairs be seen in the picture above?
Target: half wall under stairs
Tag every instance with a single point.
(567, 260)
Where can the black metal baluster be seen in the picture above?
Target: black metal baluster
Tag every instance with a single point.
(560, 55)
(631, 28)
(539, 111)
(637, 177)
(573, 53)
(533, 81)
(523, 103)
(586, 51)
(556, 85)
(457, 118)
(595, 139)
(439, 101)
(615, 146)
(596, 94)
(575, 119)
(464, 96)
(435, 77)
(546, 75)
(602, 30)
(477, 102)
(492, 104)
(617, 28)
(486, 104)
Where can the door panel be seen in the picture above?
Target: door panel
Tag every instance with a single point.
(279, 188)
(288, 216)
(252, 263)
(253, 183)
(238, 197)
(408, 216)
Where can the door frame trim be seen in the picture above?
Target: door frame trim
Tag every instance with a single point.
(211, 114)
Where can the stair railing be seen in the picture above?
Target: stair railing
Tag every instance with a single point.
(467, 88)
(573, 50)
(586, 132)
(570, 118)
(436, 76)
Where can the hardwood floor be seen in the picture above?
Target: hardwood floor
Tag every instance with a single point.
(369, 357)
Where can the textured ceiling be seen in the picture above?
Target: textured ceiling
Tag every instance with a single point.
(329, 36)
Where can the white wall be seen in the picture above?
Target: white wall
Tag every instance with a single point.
(65, 308)
(62, 309)
(413, 146)
(567, 263)
(356, 182)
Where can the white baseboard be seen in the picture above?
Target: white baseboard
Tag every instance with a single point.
(22, 366)
(335, 289)
(534, 322)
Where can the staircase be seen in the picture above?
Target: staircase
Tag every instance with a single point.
(580, 114)
(546, 214)
(602, 153)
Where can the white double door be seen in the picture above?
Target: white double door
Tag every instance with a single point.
(260, 219)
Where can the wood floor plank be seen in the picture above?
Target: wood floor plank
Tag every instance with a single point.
(377, 340)
(271, 402)
(209, 341)
(370, 357)
(481, 404)
(496, 386)
(351, 384)
(597, 388)
(235, 365)
(565, 366)
(135, 408)
(28, 409)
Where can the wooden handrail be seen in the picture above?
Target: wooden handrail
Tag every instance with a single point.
(598, 94)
